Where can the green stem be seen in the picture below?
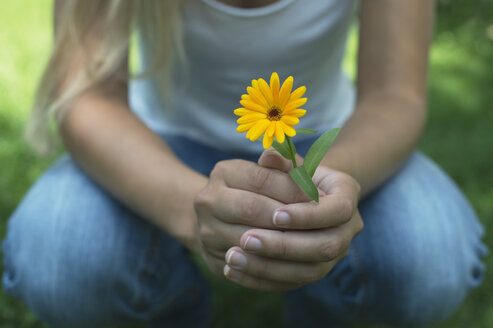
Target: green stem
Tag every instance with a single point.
(291, 151)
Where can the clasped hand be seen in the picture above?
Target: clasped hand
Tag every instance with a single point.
(257, 228)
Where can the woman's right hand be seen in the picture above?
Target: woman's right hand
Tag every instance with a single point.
(240, 195)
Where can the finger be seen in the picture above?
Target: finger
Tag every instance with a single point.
(237, 206)
(303, 246)
(336, 182)
(277, 270)
(332, 211)
(255, 283)
(245, 175)
(245, 208)
(217, 235)
(271, 158)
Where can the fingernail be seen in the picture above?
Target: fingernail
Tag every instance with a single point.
(231, 274)
(281, 218)
(252, 244)
(236, 260)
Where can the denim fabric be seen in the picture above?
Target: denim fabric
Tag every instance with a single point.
(78, 258)
(414, 262)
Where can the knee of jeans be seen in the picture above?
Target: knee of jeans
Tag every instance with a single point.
(77, 258)
(69, 282)
(421, 291)
(59, 292)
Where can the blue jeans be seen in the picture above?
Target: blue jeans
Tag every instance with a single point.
(79, 258)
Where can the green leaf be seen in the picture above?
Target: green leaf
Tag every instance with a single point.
(318, 150)
(305, 131)
(282, 148)
(304, 181)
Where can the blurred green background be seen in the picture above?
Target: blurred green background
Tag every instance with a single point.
(459, 137)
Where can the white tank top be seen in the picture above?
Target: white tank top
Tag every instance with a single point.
(227, 47)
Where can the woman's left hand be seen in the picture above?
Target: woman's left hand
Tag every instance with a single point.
(312, 238)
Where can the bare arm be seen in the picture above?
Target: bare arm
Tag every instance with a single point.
(391, 102)
(125, 157)
(133, 164)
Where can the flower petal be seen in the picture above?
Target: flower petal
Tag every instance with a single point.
(296, 112)
(280, 132)
(256, 86)
(250, 118)
(257, 97)
(243, 111)
(267, 142)
(285, 91)
(258, 129)
(265, 89)
(245, 127)
(249, 133)
(292, 104)
(289, 131)
(271, 129)
(248, 104)
(297, 94)
(245, 97)
(289, 120)
(274, 88)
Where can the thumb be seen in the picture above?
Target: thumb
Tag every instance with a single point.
(271, 158)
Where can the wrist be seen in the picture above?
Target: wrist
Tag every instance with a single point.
(177, 215)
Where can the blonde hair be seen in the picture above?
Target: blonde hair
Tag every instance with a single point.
(159, 26)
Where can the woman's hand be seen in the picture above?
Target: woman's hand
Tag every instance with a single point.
(307, 239)
(239, 196)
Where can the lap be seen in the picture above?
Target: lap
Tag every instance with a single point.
(421, 243)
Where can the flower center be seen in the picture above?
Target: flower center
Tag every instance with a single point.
(274, 114)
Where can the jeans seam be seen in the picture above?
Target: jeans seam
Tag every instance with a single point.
(144, 299)
(363, 280)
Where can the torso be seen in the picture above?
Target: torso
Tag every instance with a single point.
(230, 42)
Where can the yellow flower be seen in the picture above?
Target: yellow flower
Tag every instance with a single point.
(270, 111)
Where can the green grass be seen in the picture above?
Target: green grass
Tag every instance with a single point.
(459, 138)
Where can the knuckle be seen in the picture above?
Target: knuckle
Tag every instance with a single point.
(269, 154)
(260, 177)
(219, 169)
(206, 234)
(328, 250)
(248, 208)
(359, 226)
(357, 187)
(265, 269)
(202, 200)
(344, 177)
(346, 209)
(351, 182)
(282, 248)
